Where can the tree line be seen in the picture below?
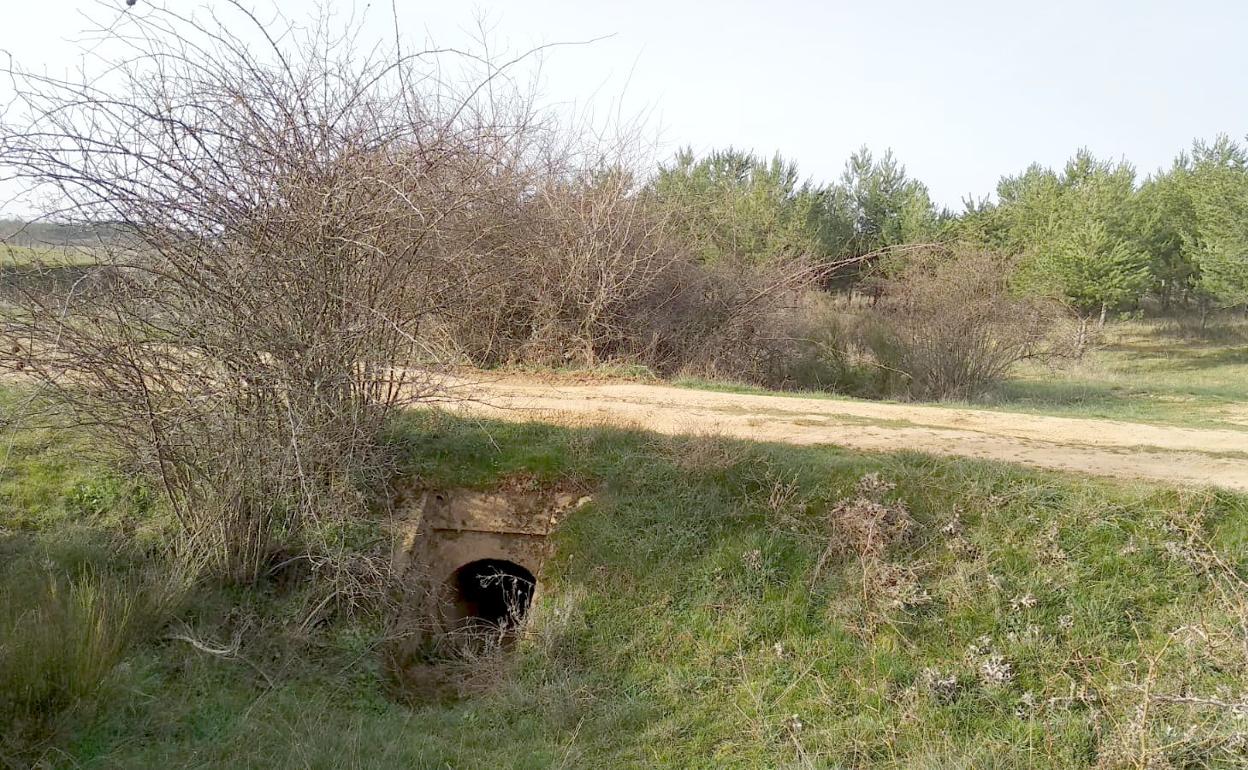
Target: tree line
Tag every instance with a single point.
(1091, 233)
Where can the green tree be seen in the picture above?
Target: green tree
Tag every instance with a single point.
(1164, 220)
(1219, 196)
(733, 204)
(1028, 215)
(1093, 269)
(876, 205)
(1074, 232)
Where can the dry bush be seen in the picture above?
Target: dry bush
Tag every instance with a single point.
(590, 271)
(867, 524)
(300, 233)
(867, 528)
(947, 324)
(560, 275)
(291, 212)
(742, 321)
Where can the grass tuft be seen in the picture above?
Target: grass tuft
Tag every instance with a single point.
(61, 638)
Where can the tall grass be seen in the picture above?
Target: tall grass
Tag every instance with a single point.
(61, 637)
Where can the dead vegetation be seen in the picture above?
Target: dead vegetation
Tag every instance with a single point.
(948, 325)
(288, 216)
(591, 272)
(868, 528)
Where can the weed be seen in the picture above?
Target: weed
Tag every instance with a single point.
(61, 639)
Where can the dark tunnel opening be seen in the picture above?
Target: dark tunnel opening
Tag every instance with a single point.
(496, 592)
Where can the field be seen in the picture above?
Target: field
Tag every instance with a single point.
(709, 608)
(1163, 372)
(26, 257)
(1159, 372)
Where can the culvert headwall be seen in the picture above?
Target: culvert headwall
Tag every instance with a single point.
(476, 557)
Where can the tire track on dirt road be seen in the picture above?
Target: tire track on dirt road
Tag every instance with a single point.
(1172, 455)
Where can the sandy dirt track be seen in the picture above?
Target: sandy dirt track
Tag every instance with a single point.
(1185, 456)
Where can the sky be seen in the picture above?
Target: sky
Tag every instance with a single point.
(962, 91)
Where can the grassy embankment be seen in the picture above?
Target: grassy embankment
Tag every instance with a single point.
(716, 605)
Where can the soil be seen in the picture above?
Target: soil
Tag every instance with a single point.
(1174, 455)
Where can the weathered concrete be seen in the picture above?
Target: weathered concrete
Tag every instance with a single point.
(443, 531)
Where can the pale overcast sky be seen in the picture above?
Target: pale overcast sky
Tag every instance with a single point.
(962, 90)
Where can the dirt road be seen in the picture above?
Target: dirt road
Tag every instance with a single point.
(1101, 447)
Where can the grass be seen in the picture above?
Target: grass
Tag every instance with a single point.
(26, 257)
(62, 638)
(1157, 372)
(707, 609)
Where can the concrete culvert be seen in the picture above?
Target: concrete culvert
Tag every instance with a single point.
(496, 592)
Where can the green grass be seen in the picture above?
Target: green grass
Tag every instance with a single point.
(27, 257)
(686, 621)
(1146, 372)
(1158, 372)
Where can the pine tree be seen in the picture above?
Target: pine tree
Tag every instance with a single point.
(733, 204)
(1219, 247)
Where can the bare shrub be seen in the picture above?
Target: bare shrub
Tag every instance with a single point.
(590, 270)
(867, 524)
(299, 234)
(867, 527)
(564, 272)
(742, 321)
(948, 326)
(290, 212)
